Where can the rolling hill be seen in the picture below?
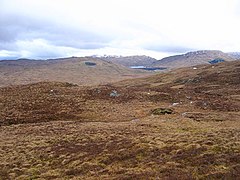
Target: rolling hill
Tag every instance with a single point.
(129, 61)
(81, 71)
(182, 124)
(192, 59)
(235, 55)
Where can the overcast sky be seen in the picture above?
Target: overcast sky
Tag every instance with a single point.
(60, 28)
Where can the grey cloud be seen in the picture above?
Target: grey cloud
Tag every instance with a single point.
(76, 38)
(19, 27)
(12, 26)
(47, 54)
(10, 57)
(169, 48)
(10, 46)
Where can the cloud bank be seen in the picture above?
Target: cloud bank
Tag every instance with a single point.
(59, 28)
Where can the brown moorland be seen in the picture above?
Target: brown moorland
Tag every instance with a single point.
(183, 124)
(77, 70)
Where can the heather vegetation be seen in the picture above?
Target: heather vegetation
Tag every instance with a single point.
(182, 124)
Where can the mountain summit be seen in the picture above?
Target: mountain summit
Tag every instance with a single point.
(192, 59)
(129, 61)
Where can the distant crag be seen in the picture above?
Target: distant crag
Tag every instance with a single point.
(192, 59)
(129, 61)
(235, 55)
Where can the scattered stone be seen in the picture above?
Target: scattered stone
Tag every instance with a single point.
(114, 93)
(175, 104)
(162, 111)
(184, 114)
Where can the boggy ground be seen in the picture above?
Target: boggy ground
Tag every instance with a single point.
(63, 131)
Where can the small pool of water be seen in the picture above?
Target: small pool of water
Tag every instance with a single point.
(148, 68)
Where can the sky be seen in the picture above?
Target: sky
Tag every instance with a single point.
(42, 29)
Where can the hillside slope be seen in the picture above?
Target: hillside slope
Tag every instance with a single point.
(192, 59)
(82, 71)
(129, 61)
(235, 55)
(204, 87)
(183, 124)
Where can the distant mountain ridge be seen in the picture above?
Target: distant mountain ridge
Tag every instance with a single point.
(235, 55)
(129, 61)
(81, 71)
(192, 59)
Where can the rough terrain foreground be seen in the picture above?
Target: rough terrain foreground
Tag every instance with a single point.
(184, 124)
